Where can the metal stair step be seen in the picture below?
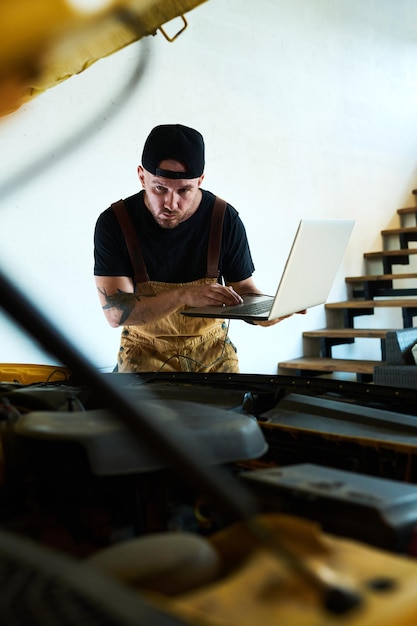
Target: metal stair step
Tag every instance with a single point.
(404, 230)
(406, 210)
(371, 304)
(379, 277)
(329, 365)
(401, 252)
(342, 333)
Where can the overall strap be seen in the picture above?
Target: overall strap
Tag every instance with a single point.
(215, 238)
(139, 268)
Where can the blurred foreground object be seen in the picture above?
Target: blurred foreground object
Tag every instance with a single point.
(46, 41)
(260, 587)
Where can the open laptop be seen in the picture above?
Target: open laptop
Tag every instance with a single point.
(309, 272)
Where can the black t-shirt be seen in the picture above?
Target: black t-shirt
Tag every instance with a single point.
(176, 255)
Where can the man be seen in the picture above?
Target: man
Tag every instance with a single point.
(165, 249)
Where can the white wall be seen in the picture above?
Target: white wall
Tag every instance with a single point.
(308, 109)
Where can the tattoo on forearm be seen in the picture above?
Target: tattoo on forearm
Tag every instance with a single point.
(123, 301)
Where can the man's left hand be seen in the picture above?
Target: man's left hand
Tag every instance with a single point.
(279, 319)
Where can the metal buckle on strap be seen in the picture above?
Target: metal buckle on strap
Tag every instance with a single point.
(171, 39)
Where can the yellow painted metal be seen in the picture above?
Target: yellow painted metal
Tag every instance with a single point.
(27, 374)
(259, 586)
(44, 42)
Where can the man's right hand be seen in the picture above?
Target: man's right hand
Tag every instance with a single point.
(211, 295)
(123, 307)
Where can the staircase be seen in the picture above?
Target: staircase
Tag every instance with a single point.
(387, 289)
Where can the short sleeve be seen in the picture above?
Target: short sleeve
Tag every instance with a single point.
(111, 257)
(236, 260)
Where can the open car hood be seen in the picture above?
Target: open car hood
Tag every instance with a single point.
(46, 41)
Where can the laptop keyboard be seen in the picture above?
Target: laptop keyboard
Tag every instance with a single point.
(255, 308)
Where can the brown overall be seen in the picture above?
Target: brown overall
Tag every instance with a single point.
(175, 343)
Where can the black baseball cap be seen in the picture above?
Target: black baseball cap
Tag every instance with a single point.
(177, 142)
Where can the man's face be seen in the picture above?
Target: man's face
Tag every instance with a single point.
(170, 200)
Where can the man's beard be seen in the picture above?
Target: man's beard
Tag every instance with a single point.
(169, 223)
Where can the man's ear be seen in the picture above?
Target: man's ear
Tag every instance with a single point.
(141, 175)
